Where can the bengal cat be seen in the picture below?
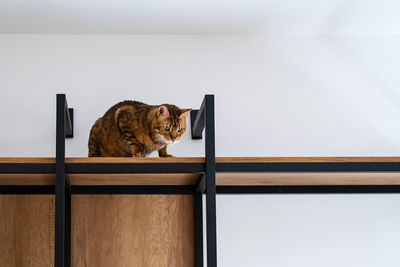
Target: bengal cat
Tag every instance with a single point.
(135, 129)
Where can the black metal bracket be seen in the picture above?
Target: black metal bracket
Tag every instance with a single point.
(193, 116)
(69, 133)
(201, 185)
(197, 120)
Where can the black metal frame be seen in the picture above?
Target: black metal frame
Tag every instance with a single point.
(62, 237)
(211, 191)
(310, 189)
(201, 119)
(27, 190)
(134, 168)
(310, 167)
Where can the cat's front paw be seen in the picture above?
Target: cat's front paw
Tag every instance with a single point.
(167, 155)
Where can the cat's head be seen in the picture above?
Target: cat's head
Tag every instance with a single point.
(169, 123)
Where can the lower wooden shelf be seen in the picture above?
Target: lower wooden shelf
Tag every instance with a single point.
(106, 230)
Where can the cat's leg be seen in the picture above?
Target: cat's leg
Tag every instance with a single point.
(94, 150)
(138, 154)
(135, 147)
(163, 152)
(136, 151)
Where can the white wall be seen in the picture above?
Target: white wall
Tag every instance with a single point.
(275, 96)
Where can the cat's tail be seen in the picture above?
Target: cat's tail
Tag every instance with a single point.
(94, 149)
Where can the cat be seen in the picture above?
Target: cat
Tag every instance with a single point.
(135, 129)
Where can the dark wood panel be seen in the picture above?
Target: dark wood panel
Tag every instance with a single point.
(135, 179)
(27, 179)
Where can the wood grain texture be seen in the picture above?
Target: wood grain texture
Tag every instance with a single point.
(253, 179)
(103, 179)
(27, 179)
(353, 178)
(135, 230)
(26, 231)
(135, 179)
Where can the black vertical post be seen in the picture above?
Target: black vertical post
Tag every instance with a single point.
(198, 229)
(210, 182)
(59, 238)
(67, 249)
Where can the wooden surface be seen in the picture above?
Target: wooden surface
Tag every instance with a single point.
(26, 231)
(135, 179)
(357, 178)
(134, 230)
(27, 179)
(103, 179)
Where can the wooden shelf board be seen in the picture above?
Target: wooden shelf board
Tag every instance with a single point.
(222, 179)
(259, 179)
(103, 179)
(225, 179)
(135, 179)
(27, 179)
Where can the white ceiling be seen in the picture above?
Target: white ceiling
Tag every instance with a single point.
(201, 16)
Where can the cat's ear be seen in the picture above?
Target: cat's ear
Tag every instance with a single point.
(184, 113)
(162, 111)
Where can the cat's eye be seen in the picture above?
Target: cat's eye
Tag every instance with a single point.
(179, 129)
(166, 128)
